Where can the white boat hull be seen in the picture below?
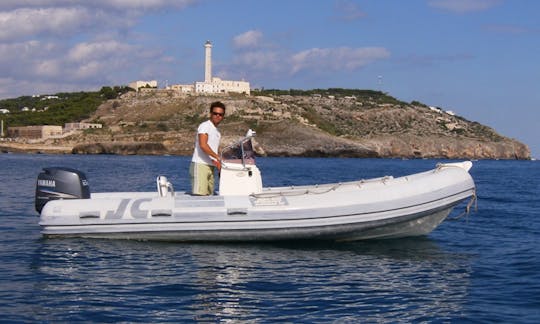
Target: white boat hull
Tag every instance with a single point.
(367, 209)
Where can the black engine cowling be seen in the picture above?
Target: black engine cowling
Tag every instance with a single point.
(60, 183)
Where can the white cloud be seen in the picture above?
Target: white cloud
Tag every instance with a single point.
(251, 38)
(90, 69)
(463, 6)
(9, 51)
(260, 60)
(336, 59)
(97, 4)
(38, 60)
(257, 57)
(144, 4)
(64, 45)
(98, 50)
(275, 63)
(48, 68)
(48, 65)
(254, 57)
(32, 18)
(21, 60)
(92, 59)
(24, 22)
(29, 23)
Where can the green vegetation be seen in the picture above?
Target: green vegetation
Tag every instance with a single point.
(315, 118)
(334, 117)
(418, 103)
(56, 109)
(485, 132)
(362, 95)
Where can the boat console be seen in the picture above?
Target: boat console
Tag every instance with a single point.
(239, 174)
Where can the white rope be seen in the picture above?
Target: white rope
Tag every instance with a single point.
(295, 193)
(308, 191)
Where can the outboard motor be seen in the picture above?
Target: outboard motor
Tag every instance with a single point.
(60, 183)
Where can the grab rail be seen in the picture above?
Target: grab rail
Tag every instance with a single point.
(249, 135)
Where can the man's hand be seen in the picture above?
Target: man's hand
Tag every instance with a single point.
(217, 164)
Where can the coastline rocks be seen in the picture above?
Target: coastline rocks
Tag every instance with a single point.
(409, 146)
(121, 148)
(290, 126)
(288, 139)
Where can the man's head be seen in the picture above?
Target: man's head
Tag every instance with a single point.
(217, 112)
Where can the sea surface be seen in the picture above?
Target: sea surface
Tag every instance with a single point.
(482, 268)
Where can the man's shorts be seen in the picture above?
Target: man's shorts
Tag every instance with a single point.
(202, 179)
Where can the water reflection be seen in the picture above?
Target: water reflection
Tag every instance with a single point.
(405, 280)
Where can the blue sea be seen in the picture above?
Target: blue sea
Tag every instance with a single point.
(482, 268)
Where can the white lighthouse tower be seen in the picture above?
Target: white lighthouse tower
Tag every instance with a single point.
(214, 84)
(208, 62)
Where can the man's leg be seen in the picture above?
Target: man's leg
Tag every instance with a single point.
(202, 179)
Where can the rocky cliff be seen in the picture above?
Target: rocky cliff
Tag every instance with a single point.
(316, 125)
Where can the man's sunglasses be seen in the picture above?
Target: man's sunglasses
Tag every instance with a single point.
(218, 114)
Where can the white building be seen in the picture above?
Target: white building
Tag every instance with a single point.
(211, 84)
(183, 88)
(68, 127)
(35, 132)
(143, 84)
(50, 97)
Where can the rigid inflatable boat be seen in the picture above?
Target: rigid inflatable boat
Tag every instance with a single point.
(244, 210)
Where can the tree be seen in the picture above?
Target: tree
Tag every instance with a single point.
(107, 93)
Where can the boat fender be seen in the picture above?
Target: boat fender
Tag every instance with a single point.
(60, 183)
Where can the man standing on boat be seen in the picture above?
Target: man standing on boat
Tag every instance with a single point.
(205, 157)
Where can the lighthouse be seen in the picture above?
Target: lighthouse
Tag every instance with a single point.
(213, 84)
(208, 62)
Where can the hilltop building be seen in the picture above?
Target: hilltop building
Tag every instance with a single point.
(47, 131)
(68, 127)
(35, 132)
(136, 85)
(211, 85)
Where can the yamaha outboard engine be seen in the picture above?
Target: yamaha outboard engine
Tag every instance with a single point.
(60, 183)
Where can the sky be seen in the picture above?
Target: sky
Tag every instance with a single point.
(478, 58)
